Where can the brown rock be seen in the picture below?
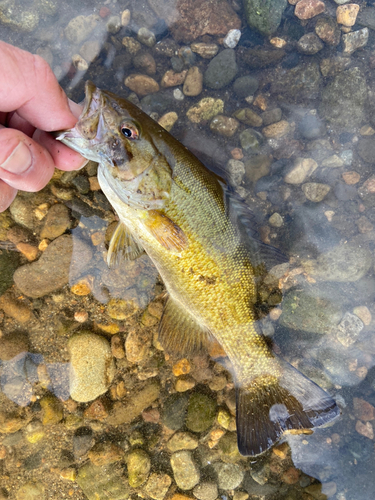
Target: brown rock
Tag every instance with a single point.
(291, 476)
(15, 308)
(142, 85)
(190, 19)
(363, 410)
(364, 225)
(224, 125)
(13, 344)
(193, 84)
(306, 9)
(137, 345)
(105, 453)
(145, 62)
(151, 415)
(98, 410)
(10, 422)
(172, 79)
(56, 222)
(31, 252)
(117, 347)
(17, 234)
(205, 50)
(182, 367)
(351, 177)
(365, 429)
(249, 117)
(276, 130)
(328, 31)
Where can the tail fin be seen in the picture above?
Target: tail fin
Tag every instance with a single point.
(293, 401)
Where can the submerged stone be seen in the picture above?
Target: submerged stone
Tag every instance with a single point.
(221, 70)
(264, 15)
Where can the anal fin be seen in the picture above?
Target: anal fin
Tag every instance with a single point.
(122, 246)
(269, 406)
(179, 333)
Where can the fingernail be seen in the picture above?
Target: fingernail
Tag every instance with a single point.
(84, 163)
(19, 160)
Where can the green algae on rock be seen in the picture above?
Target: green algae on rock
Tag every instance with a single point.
(264, 15)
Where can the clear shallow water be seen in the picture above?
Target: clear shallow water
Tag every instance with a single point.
(330, 243)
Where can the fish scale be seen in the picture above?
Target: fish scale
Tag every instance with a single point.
(195, 233)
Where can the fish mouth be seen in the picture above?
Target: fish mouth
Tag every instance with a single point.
(88, 131)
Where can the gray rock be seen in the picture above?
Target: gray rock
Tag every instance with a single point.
(83, 441)
(366, 149)
(343, 100)
(245, 85)
(343, 263)
(91, 366)
(206, 491)
(113, 25)
(81, 27)
(174, 411)
(185, 470)
(348, 329)
(309, 310)
(201, 412)
(182, 441)
(221, 70)
(315, 191)
(236, 170)
(310, 44)
(355, 40)
(271, 116)
(299, 83)
(229, 476)
(264, 15)
(366, 17)
(260, 58)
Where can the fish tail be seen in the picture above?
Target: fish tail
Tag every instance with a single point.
(269, 406)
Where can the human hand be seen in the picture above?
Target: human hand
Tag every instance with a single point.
(32, 103)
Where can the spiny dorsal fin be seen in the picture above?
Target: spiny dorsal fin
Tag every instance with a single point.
(269, 406)
(165, 231)
(179, 332)
(122, 246)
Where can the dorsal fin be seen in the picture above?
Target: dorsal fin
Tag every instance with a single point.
(179, 333)
(122, 246)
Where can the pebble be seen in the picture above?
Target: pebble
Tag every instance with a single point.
(193, 84)
(125, 17)
(364, 429)
(98, 410)
(182, 441)
(184, 383)
(306, 9)
(185, 470)
(311, 127)
(206, 491)
(157, 486)
(113, 25)
(363, 410)
(101, 483)
(91, 366)
(276, 130)
(69, 474)
(348, 329)
(315, 191)
(144, 62)
(201, 412)
(271, 116)
(56, 222)
(16, 309)
(221, 70)
(355, 40)
(117, 347)
(249, 117)
(231, 39)
(347, 14)
(137, 345)
(168, 120)
(364, 314)
(174, 411)
(139, 466)
(291, 476)
(245, 86)
(310, 44)
(251, 139)
(10, 423)
(276, 220)
(132, 45)
(229, 476)
(52, 410)
(121, 309)
(142, 85)
(224, 125)
(333, 161)
(105, 453)
(277, 42)
(236, 170)
(82, 441)
(364, 225)
(182, 367)
(328, 31)
(172, 79)
(206, 109)
(80, 28)
(146, 37)
(33, 490)
(178, 95)
(205, 50)
(302, 168)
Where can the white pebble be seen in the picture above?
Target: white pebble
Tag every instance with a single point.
(178, 95)
(231, 39)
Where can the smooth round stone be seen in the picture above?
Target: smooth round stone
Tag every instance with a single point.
(276, 220)
(174, 411)
(182, 441)
(302, 168)
(224, 125)
(80, 28)
(310, 44)
(206, 491)
(185, 470)
(139, 465)
(229, 476)
(221, 70)
(92, 366)
(249, 117)
(146, 37)
(251, 139)
(271, 116)
(113, 24)
(231, 39)
(142, 85)
(56, 222)
(201, 412)
(264, 16)
(193, 84)
(245, 85)
(276, 130)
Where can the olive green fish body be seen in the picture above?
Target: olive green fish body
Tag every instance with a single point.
(182, 215)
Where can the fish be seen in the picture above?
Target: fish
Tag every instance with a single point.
(196, 232)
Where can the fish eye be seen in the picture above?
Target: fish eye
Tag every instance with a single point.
(129, 131)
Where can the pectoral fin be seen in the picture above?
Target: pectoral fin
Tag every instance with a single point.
(165, 231)
(179, 333)
(122, 246)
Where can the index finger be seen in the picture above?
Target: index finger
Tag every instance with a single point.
(29, 86)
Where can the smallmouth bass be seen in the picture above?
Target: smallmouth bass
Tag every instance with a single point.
(191, 227)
